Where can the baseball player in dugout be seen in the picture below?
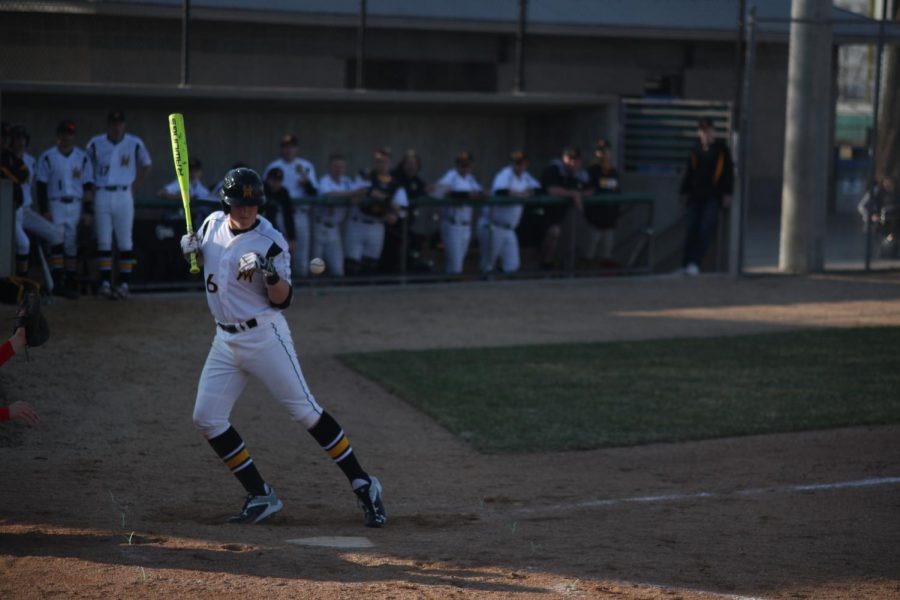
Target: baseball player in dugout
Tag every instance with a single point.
(121, 162)
(456, 222)
(247, 268)
(64, 180)
(327, 241)
(12, 167)
(299, 178)
(366, 226)
(497, 223)
(566, 178)
(279, 207)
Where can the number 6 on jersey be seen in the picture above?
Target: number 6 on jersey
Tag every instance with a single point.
(180, 154)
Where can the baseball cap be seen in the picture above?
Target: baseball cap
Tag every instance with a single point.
(65, 127)
(465, 158)
(571, 152)
(706, 123)
(517, 156)
(383, 151)
(115, 116)
(194, 163)
(289, 139)
(602, 144)
(275, 173)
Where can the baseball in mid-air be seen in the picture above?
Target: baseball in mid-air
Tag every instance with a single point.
(316, 266)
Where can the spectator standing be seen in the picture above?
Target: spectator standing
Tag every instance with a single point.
(602, 218)
(706, 189)
(564, 177)
(456, 222)
(498, 222)
(300, 181)
(328, 218)
(64, 180)
(121, 162)
(364, 233)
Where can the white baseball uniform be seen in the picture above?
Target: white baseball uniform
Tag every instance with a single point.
(364, 235)
(497, 223)
(252, 336)
(456, 223)
(23, 244)
(115, 169)
(327, 222)
(65, 177)
(293, 172)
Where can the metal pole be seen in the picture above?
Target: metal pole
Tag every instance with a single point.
(745, 141)
(361, 45)
(806, 152)
(873, 152)
(739, 59)
(519, 81)
(185, 41)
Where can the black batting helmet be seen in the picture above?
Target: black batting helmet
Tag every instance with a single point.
(242, 187)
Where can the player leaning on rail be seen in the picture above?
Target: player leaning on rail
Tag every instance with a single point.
(246, 265)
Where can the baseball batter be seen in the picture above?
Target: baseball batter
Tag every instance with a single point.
(456, 224)
(246, 265)
(497, 224)
(64, 178)
(121, 162)
(300, 181)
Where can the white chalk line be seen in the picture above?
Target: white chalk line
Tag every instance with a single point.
(750, 492)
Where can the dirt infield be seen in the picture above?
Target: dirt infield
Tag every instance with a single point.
(115, 495)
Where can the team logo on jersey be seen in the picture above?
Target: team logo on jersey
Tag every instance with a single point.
(125, 160)
(76, 173)
(248, 191)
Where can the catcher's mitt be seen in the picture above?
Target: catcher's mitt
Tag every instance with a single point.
(29, 316)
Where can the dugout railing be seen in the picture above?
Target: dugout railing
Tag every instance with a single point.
(416, 240)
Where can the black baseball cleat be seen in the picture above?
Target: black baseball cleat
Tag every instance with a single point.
(258, 508)
(369, 497)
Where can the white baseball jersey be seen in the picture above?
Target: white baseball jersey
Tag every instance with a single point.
(509, 215)
(332, 215)
(292, 175)
(452, 181)
(27, 198)
(65, 176)
(197, 189)
(115, 164)
(232, 300)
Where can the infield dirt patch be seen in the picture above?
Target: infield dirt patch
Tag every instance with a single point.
(116, 495)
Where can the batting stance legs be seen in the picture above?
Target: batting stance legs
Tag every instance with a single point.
(232, 358)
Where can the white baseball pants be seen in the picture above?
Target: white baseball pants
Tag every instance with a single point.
(363, 238)
(67, 217)
(114, 212)
(498, 243)
(265, 352)
(456, 244)
(328, 245)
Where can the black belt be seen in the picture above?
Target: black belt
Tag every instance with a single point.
(326, 224)
(239, 327)
(114, 188)
(503, 225)
(460, 223)
(67, 199)
(366, 221)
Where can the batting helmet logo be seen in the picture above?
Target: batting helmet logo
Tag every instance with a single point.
(248, 191)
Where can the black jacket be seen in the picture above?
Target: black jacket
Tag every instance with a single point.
(709, 174)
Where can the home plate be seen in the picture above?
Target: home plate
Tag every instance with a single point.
(334, 542)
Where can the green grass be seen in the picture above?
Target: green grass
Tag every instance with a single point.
(582, 396)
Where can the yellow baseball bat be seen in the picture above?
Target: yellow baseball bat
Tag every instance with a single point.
(180, 154)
